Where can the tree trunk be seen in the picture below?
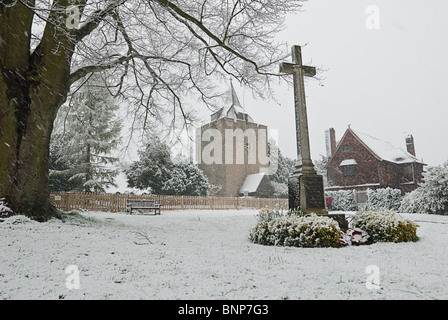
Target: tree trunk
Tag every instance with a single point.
(26, 122)
(24, 158)
(32, 88)
(88, 168)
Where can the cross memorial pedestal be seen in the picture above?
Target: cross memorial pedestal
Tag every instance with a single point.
(305, 187)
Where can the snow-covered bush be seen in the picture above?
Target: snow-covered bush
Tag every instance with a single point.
(414, 202)
(431, 196)
(296, 230)
(4, 209)
(384, 199)
(280, 189)
(186, 179)
(343, 200)
(386, 226)
(267, 214)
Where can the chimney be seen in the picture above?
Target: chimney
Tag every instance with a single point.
(410, 144)
(330, 141)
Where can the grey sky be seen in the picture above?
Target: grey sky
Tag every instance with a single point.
(386, 82)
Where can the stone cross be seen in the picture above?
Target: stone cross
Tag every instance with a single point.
(305, 187)
(304, 163)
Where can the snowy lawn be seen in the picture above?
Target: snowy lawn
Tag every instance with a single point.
(207, 255)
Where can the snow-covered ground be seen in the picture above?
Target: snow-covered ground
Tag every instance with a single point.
(207, 255)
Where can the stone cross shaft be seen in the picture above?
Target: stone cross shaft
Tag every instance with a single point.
(304, 164)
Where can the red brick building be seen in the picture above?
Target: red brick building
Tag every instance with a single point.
(360, 161)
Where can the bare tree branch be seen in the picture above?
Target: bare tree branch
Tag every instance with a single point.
(97, 18)
(176, 11)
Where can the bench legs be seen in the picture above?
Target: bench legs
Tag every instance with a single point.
(156, 211)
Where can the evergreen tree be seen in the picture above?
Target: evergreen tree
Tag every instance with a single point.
(86, 133)
(432, 195)
(319, 165)
(155, 170)
(187, 179)
(60, 172)
(285, 167)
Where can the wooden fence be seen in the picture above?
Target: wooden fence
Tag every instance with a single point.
(117, 202)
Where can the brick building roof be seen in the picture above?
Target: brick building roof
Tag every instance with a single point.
(385, 150)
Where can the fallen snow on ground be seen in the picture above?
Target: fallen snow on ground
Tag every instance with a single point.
(207, 255)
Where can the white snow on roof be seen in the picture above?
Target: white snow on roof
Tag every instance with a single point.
(348, 162)
(234, 110)
(385, 150)
(251, 182)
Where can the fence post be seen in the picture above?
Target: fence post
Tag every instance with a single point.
(67, 200)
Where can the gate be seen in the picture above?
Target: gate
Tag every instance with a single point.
(361, 199)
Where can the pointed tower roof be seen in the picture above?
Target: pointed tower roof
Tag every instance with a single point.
(235, 100)
(233, 110)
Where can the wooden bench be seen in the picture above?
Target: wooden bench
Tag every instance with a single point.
(142, 204)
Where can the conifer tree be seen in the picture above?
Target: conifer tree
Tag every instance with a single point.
(432, 195)
(87, 132)
(155, 170)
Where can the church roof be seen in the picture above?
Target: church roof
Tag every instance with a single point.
(233, 110)
(251, 183)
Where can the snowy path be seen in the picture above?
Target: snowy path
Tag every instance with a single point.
(207, 255)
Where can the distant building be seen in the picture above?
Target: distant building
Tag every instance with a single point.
(360, 161)
(237, 146)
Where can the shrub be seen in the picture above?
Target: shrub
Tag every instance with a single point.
(267, 214)
(291, 229)
(384, 199)
(343, 200)
(386, 226)
(4, 209)
(432, 195)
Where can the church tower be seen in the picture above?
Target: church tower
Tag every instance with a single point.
(232, 151)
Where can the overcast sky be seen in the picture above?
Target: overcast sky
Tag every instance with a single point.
(385, 82)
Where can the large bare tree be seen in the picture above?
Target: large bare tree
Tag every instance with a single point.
(154, 53)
